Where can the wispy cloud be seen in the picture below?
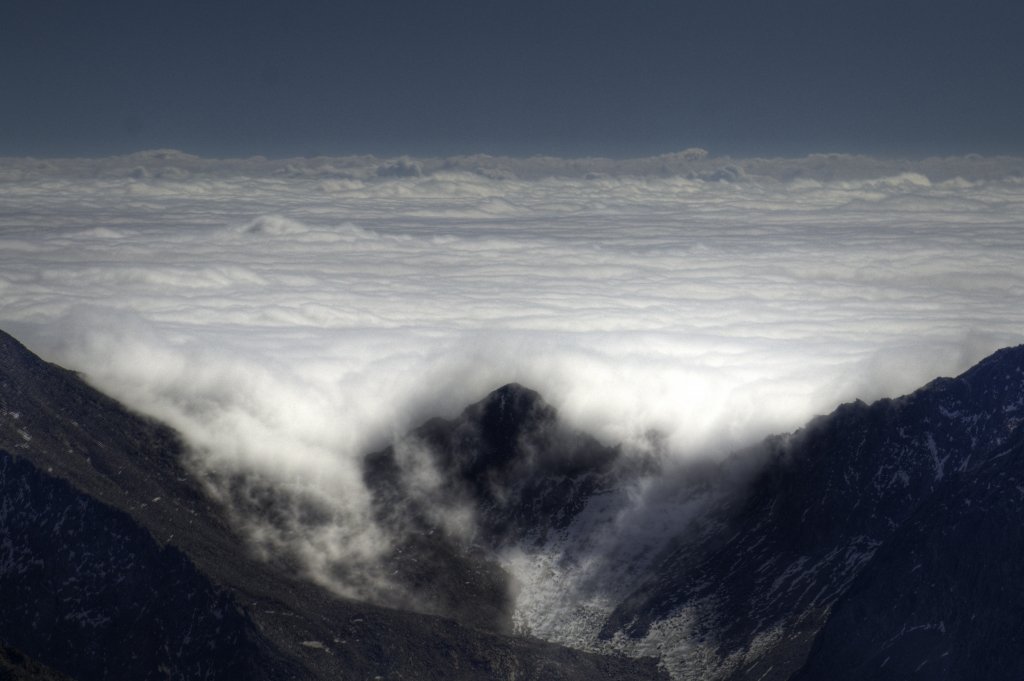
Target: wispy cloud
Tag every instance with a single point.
(288, 318)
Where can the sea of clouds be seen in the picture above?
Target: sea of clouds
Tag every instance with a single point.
(290, 316)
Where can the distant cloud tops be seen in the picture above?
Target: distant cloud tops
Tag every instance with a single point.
(288, 316)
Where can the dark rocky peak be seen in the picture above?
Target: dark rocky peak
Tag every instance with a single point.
(507, 464)
(510, 459)
(510, 409)
(494, 433)
(509, 436)
(124, 555)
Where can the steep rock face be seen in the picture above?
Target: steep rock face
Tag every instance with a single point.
(132, 469)
(91, 592)
(941, 599)
(510, 472)
(509, 460)
(71, 431)
(746, 589)
(748, 600)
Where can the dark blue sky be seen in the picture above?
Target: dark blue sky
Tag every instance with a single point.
(574, 77)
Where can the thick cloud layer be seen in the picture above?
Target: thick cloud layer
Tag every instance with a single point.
(288, 318)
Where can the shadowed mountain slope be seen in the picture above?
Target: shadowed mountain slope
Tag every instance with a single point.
(942, 598)
(834, 500)
(880, 541)
(510, 472)
(73, 453)
(779, 562)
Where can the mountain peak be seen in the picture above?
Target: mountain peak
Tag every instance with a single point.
(14, 355)
(508, 413)
(92, 485)
(513, 390)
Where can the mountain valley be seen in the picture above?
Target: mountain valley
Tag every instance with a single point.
(879, 541)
